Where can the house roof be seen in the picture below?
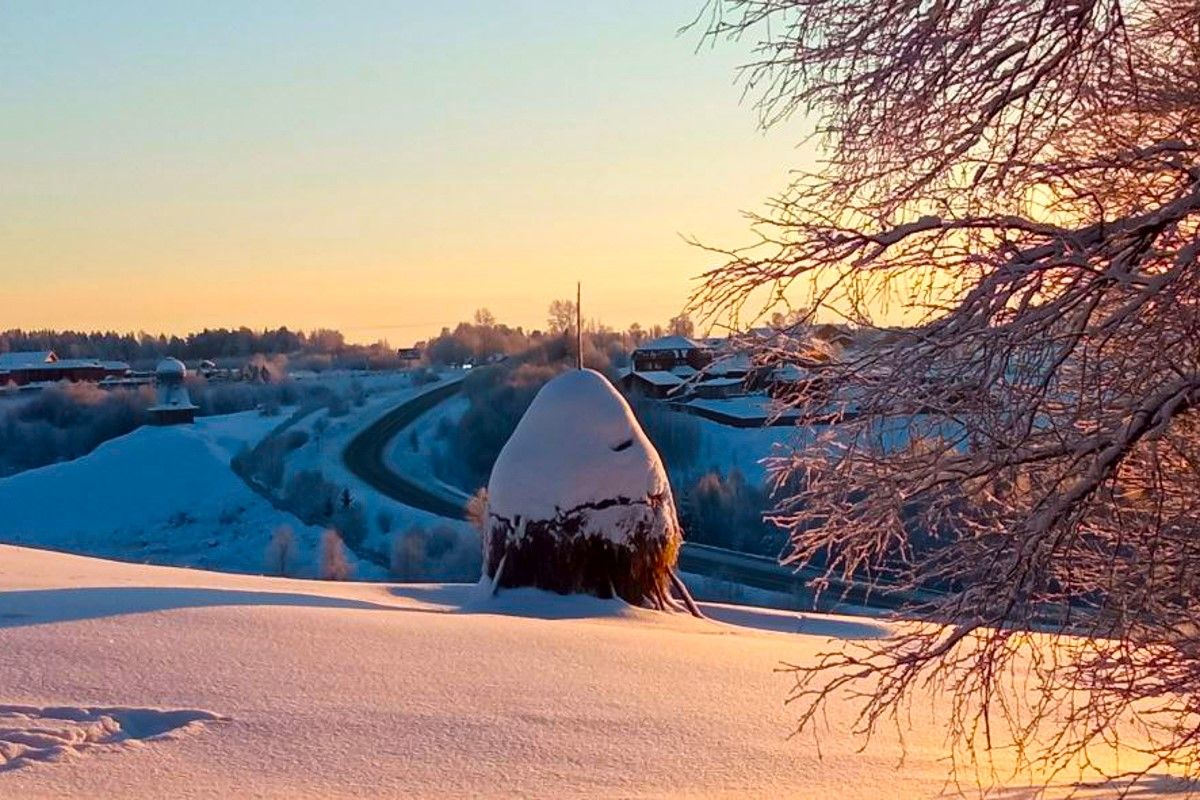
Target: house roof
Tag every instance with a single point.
(670, 343)
(658, 377)
(790, 372)
(70, 363)
(47, 360)
(26, 359)
(733, 362)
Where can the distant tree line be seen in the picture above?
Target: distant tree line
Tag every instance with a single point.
(210, 343)
(481, 340)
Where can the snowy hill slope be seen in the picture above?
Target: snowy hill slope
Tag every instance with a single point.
(129, 681)
(163, 495)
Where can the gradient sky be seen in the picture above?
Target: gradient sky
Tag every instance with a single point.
(382, 168)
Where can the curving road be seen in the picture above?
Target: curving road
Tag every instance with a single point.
(366, 457)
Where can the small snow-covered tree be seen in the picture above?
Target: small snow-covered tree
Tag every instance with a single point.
(333, 565)
(476, 510)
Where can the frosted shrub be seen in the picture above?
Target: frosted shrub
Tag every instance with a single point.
(424, 376)
(407, 559)
(333, 565)
(452, 554)
(263, 464)
(308, 495)
(477, 509)
(338, 406)
(444, 553)
(281, 551)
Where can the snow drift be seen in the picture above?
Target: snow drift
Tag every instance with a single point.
(341, 690)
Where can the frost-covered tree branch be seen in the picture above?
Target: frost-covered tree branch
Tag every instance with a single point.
(1025, 179)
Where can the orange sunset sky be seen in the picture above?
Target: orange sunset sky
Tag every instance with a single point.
(382, 168)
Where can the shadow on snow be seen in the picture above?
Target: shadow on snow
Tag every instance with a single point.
(42, 606)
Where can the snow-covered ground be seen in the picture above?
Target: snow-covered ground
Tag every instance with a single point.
(724, 448)
(169, 496)
(162, 495)
(136, 681)
(420, 446)
(131, 681)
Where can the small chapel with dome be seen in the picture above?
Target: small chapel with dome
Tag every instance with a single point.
(173, 406)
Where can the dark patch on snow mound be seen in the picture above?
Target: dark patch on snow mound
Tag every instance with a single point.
(568, 555)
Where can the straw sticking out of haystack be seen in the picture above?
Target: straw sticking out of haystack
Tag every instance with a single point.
(579, 502)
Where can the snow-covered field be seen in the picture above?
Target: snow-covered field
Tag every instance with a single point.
(131, 681)
(724, 448)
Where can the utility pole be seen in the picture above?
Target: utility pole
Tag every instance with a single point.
(578, 325)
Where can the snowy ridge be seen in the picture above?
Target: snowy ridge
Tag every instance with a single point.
(159, 494)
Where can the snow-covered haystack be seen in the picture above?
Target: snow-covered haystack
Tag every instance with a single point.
(579, 502)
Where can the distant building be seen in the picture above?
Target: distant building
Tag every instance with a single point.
(833, 334)
(669, 353)
(682, 368)
(173, 405)
(44, 366)
(666, 367)
(655, 383)
(411, 356)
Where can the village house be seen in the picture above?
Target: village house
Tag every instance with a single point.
(679, 367)
(410, 356)
(662, 367)
(670, 353)
(44, 366)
